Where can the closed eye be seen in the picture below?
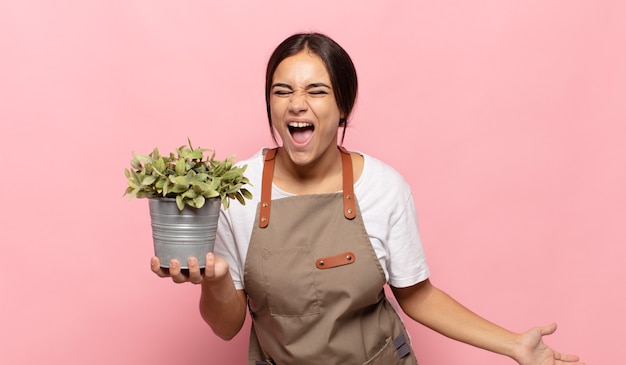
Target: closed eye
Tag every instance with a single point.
(282, 92)
(318, 92)
(281, 89)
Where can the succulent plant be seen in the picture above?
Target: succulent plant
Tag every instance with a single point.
(187, 176)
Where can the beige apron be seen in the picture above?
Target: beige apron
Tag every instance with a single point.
(315, 285)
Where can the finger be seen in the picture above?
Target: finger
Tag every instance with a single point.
(548, 330)
(175, 272)
(565, 357)
(194, 270)
(155, 266)
(209, 270)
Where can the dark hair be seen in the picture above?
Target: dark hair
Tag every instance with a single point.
(338, 64)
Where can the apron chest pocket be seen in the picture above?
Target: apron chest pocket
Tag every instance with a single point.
(289, 278)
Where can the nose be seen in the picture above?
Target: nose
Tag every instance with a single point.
(298, 102)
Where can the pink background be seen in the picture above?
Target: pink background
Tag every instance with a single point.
(507, 118)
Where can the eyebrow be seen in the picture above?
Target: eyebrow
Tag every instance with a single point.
(309, 86)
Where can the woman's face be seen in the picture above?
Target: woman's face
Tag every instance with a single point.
(303, 108)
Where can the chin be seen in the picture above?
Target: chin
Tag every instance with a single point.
(301, 158)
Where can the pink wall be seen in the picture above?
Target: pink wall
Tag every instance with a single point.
(507, 118)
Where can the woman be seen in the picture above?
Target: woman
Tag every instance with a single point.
(312, 259)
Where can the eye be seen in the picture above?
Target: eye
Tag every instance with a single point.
(318, 92)
(282, 92)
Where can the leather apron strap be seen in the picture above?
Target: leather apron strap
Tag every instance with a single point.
(349, 207)
(266, 187)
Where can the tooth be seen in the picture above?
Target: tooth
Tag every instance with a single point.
(299, 124)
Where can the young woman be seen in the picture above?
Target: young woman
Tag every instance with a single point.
(310, 260)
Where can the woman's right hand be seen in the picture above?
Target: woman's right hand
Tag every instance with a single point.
(216, 268)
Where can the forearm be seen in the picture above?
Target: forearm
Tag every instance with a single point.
(440, 312)
(223, 307)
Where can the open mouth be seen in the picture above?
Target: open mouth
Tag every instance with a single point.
(301, 132)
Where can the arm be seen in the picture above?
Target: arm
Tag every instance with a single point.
(222, 306)
(435, 309)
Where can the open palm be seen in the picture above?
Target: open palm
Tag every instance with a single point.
(533, 351)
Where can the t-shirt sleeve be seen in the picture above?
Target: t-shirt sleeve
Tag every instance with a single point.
(407, 262)
(226, 248)
(235, 224)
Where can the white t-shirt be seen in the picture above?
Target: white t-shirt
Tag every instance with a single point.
(388, 213)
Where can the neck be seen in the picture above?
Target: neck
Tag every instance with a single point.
(320, 176)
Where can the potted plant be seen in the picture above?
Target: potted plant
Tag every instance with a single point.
(185, 190)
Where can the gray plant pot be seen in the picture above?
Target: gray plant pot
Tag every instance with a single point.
(183, 234)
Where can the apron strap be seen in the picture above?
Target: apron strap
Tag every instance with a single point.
(349, 205)
(266, 187)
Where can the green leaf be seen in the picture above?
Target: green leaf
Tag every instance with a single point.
(181, 167)
(190, 194)
(179, 202)
(177, 189)
(144, 194)
(232, 187)
(142, 158)
(166, 187)
(182, 180)
(240, 198)
(211, 193)
(247, 194)
(133, 184)
(160, 183)
(148, 180)
(216, 183)
(202, 177)
(201, 186)
(199, 201)
(230, 175)
(136, 177)
(197, 154)
(159, 165)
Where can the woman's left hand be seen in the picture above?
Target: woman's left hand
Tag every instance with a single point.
(533, 351)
